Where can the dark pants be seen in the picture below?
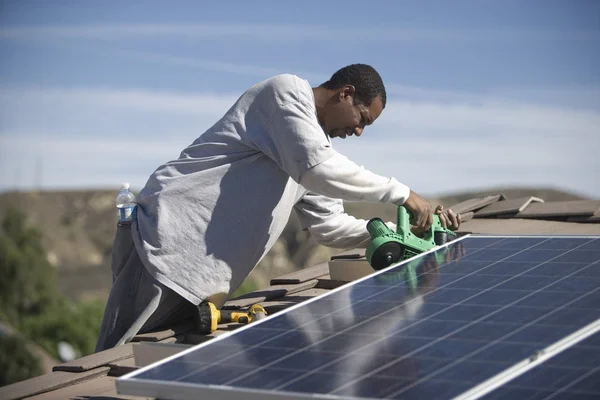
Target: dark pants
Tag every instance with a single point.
(137, 302)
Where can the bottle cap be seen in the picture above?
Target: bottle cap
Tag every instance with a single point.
(124, 185)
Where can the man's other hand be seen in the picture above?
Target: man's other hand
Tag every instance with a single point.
(448, 219)
(421, 210)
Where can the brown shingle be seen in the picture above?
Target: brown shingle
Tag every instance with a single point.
(475, 203)
(146, 353)
(499, 226)
(48, 382)
(329, 284)
(286, 302)
(560, 209)
(464, 217)
(99, 388)
(302, 275)
(307, 294)
(586, 218)
(270, 293)
(504, 207)
(97, 359)
(122, 367)
(196, 338)
(167, 333)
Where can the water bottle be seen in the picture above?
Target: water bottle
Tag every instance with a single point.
(126, 204)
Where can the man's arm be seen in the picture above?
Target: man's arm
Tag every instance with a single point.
(330, 225)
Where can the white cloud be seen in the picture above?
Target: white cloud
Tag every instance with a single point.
(584, 97)
(100, 137)
(509, 119)
(108, 112)
(80, 162)
(171, 102)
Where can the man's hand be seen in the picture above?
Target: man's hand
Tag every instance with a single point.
(421, 210)
(448, 219)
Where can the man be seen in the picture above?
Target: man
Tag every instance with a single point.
(207, 218)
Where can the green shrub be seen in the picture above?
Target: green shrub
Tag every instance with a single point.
(31, 303)
(249, 285)
(28, 282)
(16, 361)
(75, 323)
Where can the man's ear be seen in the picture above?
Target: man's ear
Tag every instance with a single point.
(347, 91)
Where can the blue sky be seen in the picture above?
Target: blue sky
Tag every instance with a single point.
(481, 93)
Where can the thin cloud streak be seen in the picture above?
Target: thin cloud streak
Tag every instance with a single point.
(213, 65)
(138, 99)
(284, 32)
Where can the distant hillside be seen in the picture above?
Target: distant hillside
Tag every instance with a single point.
(78, 229)
(77, 226)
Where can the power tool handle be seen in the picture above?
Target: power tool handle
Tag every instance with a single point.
(405, 216)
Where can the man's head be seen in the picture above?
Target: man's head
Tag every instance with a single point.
(351, 99)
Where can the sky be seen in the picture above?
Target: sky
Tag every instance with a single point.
(481, 94)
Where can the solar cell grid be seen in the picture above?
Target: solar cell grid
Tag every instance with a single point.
(469, 317)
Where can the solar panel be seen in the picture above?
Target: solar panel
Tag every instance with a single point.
(436, 326)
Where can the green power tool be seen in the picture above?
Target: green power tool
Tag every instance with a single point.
(388, 247)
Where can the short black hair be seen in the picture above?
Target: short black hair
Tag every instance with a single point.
(365, 79)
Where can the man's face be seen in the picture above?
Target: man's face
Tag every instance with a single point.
(344, 118)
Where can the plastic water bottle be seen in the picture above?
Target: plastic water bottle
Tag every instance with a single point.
(126, 204)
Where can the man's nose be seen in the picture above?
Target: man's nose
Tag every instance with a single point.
(358, 131)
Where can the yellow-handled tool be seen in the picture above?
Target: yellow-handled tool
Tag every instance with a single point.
(209, 317)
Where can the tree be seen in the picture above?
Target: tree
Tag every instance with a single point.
(28, 280)
(31, 303)
(75, 323)
(16, 362)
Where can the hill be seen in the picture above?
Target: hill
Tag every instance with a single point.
(78, 229)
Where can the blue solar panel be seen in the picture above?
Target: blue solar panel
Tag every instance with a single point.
(434, 327)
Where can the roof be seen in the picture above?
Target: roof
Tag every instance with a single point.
(95, 375)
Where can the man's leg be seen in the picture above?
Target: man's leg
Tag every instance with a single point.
(137, 302)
